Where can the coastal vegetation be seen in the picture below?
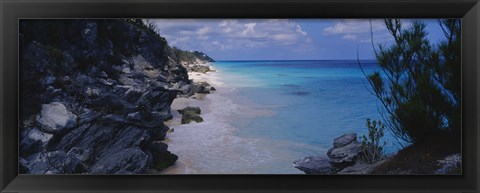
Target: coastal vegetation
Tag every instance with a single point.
(372, 147)
(100, 96)
(419, 86)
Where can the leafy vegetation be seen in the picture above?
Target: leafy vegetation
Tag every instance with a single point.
(419, 83)
(188, 55)
(372, 149)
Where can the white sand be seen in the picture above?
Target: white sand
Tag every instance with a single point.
(210, 147)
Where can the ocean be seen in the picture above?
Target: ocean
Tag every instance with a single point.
(267, 114)
(313, 101)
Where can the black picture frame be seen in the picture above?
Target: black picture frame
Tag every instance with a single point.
(11, 11)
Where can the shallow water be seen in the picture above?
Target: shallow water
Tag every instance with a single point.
(266, 114)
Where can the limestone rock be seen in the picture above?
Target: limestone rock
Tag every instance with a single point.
(55, 117)
(344, 140)
(315, 165)
(346, 155)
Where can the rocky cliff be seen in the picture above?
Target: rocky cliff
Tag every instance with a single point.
(94, 95)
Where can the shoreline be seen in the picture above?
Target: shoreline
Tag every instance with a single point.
(212, 146)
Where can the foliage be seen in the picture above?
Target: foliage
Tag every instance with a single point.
(183, 55)
(372, 150)
(419, 85)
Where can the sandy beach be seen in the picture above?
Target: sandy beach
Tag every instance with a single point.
(211, 146)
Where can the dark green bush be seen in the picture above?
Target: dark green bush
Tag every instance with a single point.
(419, 83)
(372, 149)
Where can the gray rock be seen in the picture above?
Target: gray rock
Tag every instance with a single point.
(195, 110)
(56, 162)
(87, 116)
(55, 117)
(128, 161)
(136, 116)
(200, 68)
(346, 155)
(84, 155)
(315, 165)
(449, 164)
(23, 166)
(90, 32)
(92, 92)
(113, 94)
(161, 157)
(202, 88)
(49, 80)
(33, 141)
(344, 140)
(360, 168)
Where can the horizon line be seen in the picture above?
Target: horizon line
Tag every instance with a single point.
(246, 60)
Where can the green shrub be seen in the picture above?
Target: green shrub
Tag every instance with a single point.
(372, 149)
(419, 85)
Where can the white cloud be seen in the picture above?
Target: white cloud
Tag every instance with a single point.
(205, 34)
(299, 30)
(359, 30)
(352, 37)
(249, 28)
(352, 26)
(203, 31)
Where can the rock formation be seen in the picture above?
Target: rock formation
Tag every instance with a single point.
(94, 95)
(190, 114)
(343, 154)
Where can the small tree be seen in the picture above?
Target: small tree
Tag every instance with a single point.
(419, 84)
(372, 149)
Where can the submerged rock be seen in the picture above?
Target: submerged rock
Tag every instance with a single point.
(190, 114)
(300, 93)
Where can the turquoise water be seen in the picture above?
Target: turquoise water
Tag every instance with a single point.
(311, 102)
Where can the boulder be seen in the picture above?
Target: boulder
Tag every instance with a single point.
(315, 165)
(346, 155)
(200, 68)
(202, 88)
(161, 157)
(195, 110)
(33, 140)
(190, 114)
(344, 140)
(55, 162)
(55, 117)
(128, 161)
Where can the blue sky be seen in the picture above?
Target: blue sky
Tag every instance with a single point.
(281, 39)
